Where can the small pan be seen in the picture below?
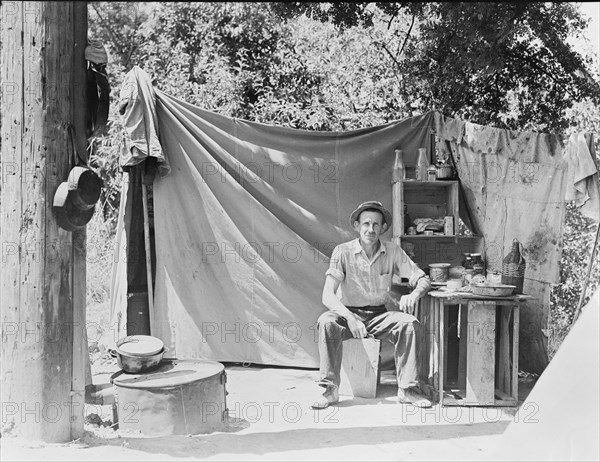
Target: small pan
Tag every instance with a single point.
(68, 216)
(85, 187)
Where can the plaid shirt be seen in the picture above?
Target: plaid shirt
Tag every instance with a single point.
(367, 283)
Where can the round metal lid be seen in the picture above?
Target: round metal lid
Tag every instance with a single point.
(140, 345)
(170, 373)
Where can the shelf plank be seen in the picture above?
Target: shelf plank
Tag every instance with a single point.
(462, 297)
(415, 184)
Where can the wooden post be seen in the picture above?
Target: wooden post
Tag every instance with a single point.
(81, 360)
(148, 259)
(37, 280)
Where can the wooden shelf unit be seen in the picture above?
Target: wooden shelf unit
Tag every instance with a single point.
(431, 199)
(434, 199)
(440, 249)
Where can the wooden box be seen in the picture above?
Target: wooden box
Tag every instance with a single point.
(360, 367)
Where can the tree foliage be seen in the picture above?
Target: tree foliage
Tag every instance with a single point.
(505, 64)
(314, 65)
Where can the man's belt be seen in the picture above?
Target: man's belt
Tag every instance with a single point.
(370, 308)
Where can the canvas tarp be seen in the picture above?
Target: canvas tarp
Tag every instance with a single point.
(247, 218)
(515, 185)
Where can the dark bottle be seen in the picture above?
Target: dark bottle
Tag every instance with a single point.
(467, 261)
(513, 267)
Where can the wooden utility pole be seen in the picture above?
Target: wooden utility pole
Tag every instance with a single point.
(42, 297)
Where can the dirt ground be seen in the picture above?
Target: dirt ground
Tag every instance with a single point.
(270, 419)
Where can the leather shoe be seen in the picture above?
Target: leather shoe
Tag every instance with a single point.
(329, 395)
(412, 396)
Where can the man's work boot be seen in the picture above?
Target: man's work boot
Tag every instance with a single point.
(329, 395)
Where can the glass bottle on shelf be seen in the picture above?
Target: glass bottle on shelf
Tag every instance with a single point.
(399, 171)
(422, 165)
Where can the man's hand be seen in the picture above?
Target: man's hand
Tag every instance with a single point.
(357, 327)
(408, 303)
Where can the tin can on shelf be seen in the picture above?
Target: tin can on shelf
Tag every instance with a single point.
(431, 173)
(478, 266)
(438, 272)
(468, 275)
(449, 225)
(494, 277)
(445, 171)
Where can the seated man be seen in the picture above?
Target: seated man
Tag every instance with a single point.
(363, 268)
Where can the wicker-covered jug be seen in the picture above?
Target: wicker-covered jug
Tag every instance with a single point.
(513, 267)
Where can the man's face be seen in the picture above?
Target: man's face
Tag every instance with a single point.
(369, 226)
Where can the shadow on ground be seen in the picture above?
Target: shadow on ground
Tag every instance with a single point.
(299, 439)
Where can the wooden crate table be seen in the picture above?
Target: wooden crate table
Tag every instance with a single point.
(488, 357)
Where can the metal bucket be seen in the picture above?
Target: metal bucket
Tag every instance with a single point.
(180, 397)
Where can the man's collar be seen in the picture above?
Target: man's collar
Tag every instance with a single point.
(357, 248)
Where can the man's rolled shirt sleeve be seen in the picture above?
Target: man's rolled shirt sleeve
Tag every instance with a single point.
(336, 265)
(408, 269)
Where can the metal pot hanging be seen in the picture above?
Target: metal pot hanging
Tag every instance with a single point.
(74, 199)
